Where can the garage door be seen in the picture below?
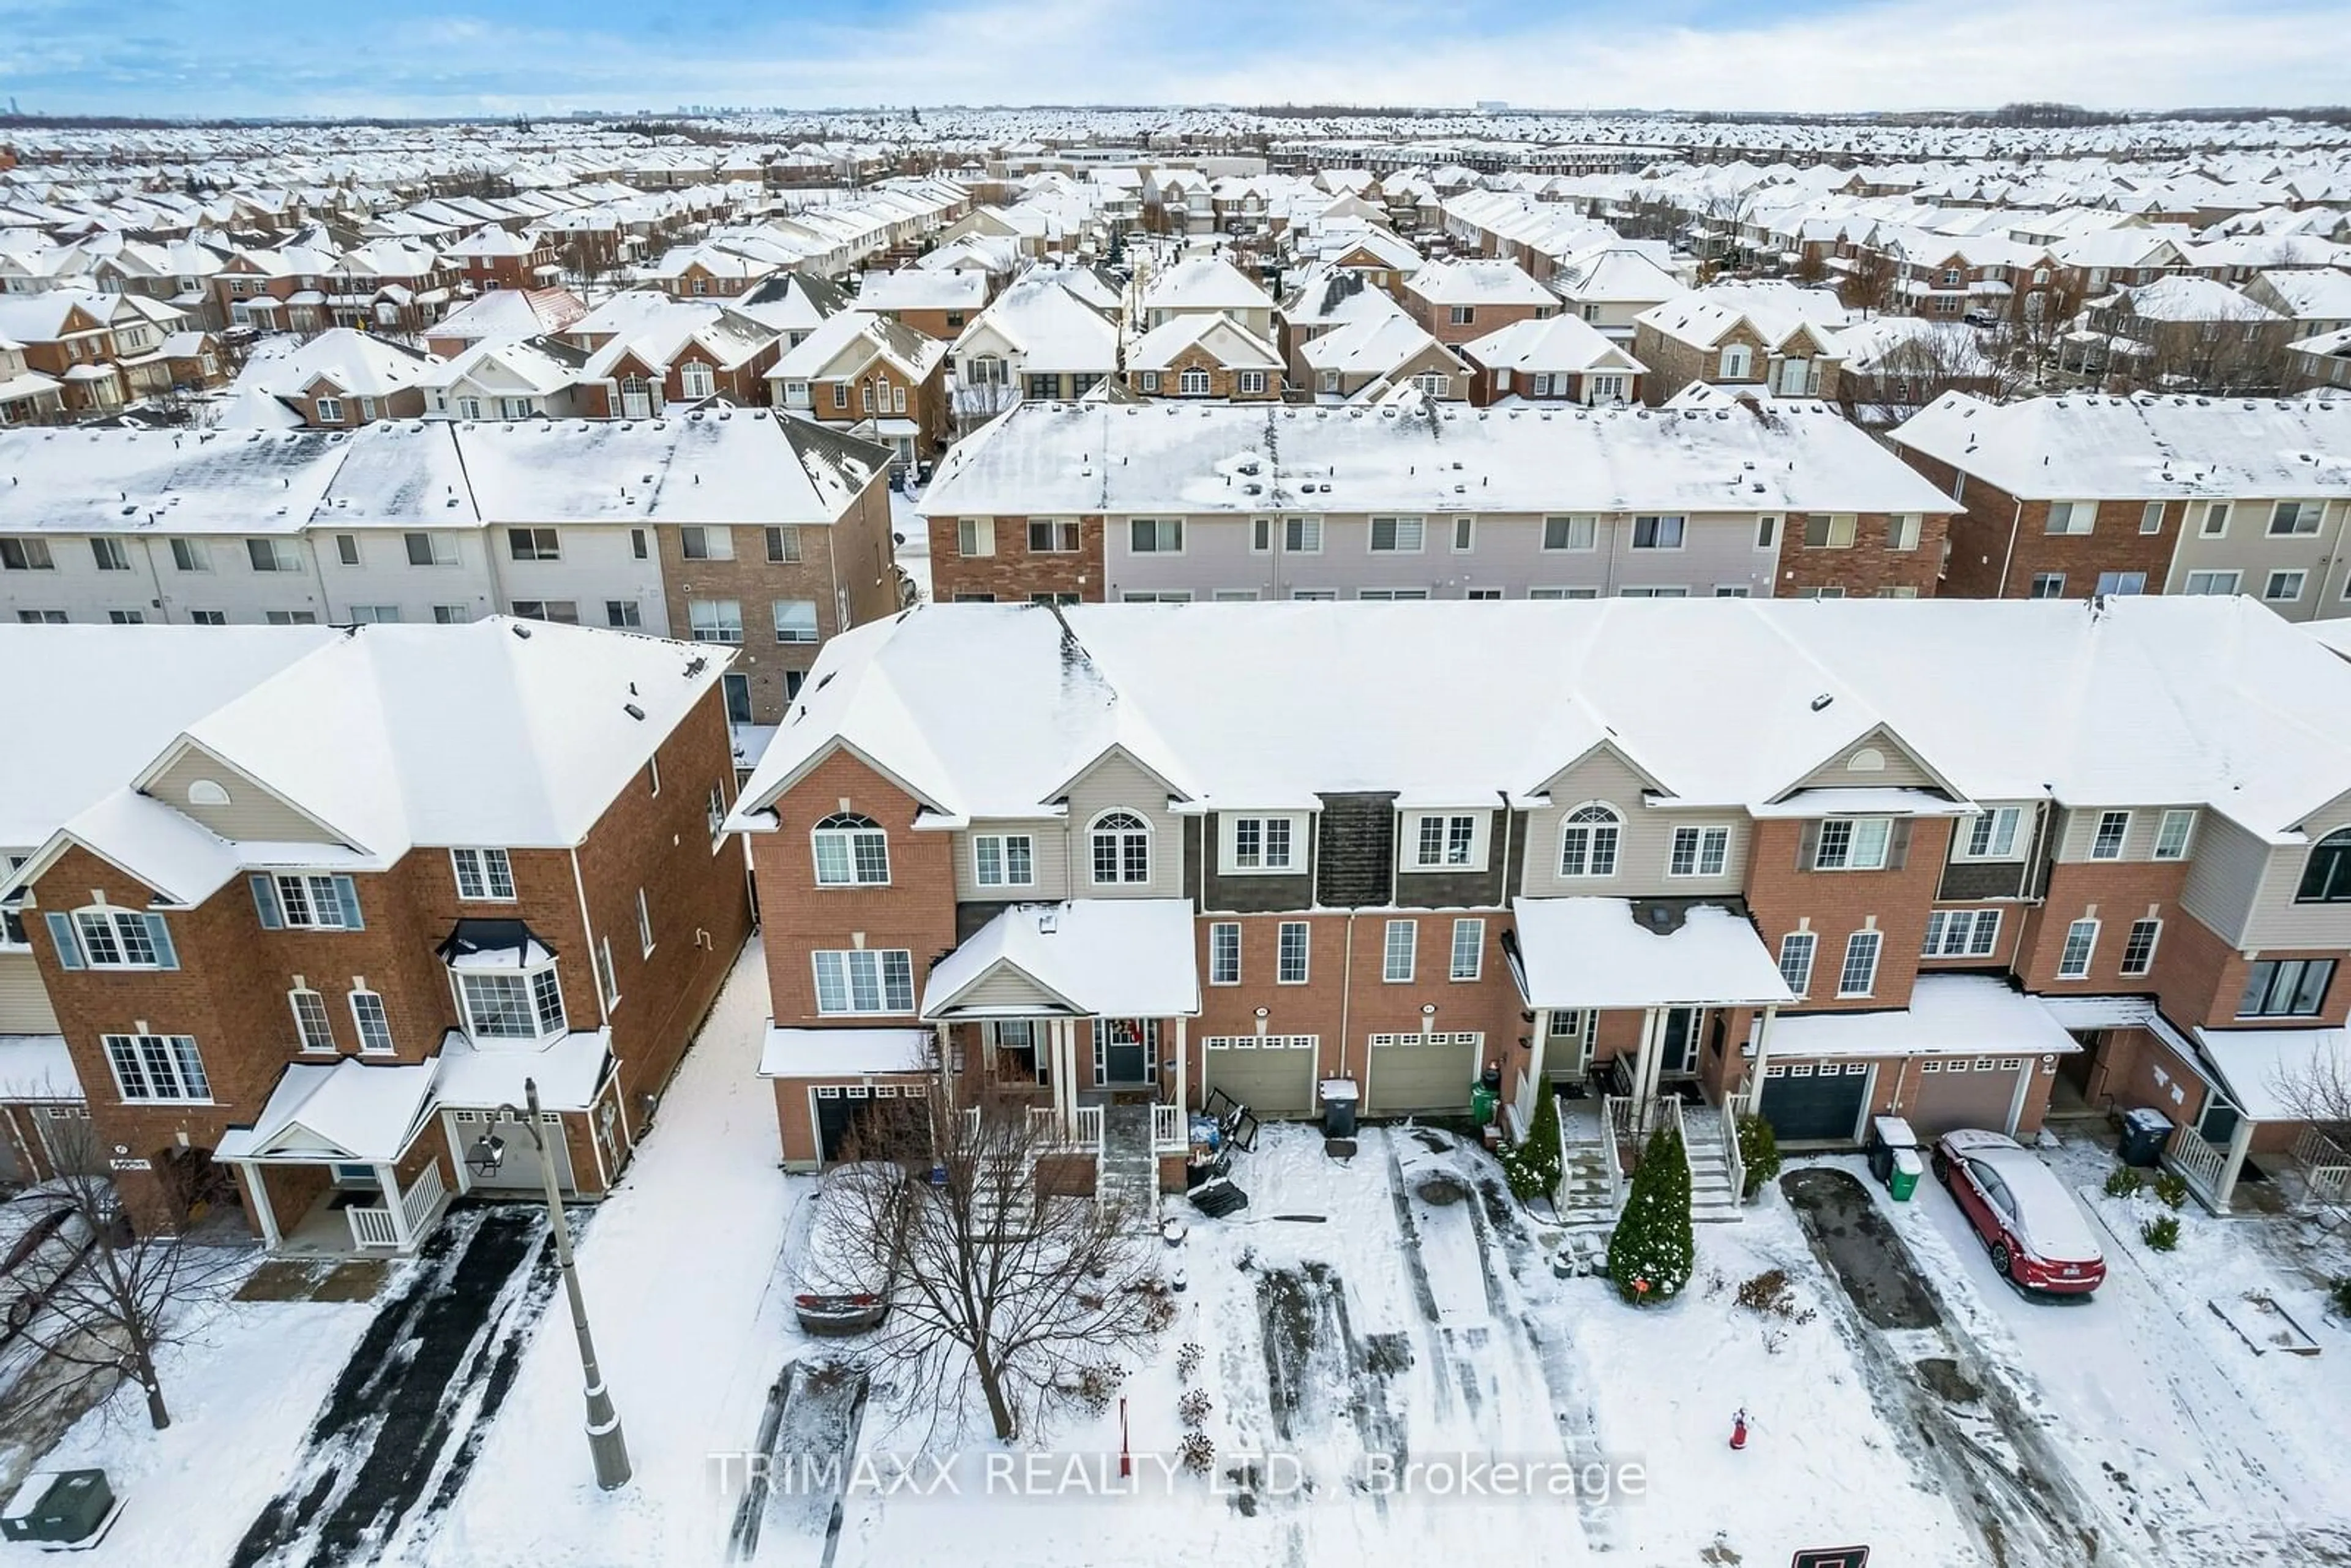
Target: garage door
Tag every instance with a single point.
(1422, 1072)
(1808, 1101)
(1271, 1074)
(1965, 1092)
(518, 1169)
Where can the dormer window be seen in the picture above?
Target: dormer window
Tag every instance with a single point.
(1121, 848)
(850, 851)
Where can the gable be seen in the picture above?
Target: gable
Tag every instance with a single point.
(250, 812)
(1005, 986)
(1602, 773)
(1899, 768)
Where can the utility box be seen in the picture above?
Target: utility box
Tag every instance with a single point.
(58, 1506)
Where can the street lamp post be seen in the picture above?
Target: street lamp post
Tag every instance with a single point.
(606, 1445)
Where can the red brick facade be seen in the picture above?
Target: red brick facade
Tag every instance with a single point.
(1014, 573)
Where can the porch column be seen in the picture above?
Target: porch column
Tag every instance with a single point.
(1183, 1071)
(390, 1179)
(1530, 1094)
(1644, 1059)
(257, 1190)
(1754, 1095)
(1065, 1075)
(2239, 1140)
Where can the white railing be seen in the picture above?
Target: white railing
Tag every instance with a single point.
(372, 1225)
(1168, 1134)
(1730, 1154)
(1559, 1190)
(1673, 1121)
(1612, 1117)
(2325, 1165)
(2201, 1163)
(424, 1196)
(1090, 1127)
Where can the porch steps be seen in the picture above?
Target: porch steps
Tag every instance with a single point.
(1713, 1201)
(1004, 1196)
(1586, 1212)
(1126, 1174)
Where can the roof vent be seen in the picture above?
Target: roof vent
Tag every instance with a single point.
(1822, 701)
(523, 632)
(1048, 921)
(633, 711)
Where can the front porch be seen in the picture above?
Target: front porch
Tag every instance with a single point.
(2269, 1138)
(374, 1215)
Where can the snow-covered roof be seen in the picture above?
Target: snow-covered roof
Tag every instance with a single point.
(1552, 344)
(1948, 1015)
(354, 1112)
(1205, 282)
(842, 1052)
(1221, 337)
(567, 1071)
(1372, 346)
(1416, 456)
(1479, 282)
(1640, 953)
(38, 1066)
(1106, 958)
(2151, 446)
(2278, 1074)
(2148, 701)
(919, 288)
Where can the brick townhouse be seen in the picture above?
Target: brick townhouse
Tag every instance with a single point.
(738, 528)
(1422, 500)
(307, 978)
(2064, 497)
(1828, 860)
(870, 377)
(1457, 301)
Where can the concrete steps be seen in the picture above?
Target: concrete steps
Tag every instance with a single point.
(1126, 1173)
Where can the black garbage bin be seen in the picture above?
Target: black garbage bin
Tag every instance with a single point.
(2145, 1132)
(1339, 1096)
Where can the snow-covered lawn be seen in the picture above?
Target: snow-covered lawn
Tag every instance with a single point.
(914, 550)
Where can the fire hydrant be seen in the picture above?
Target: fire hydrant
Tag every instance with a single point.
(1739, 1430)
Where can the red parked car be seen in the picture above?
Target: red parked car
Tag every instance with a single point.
(2037, 1234)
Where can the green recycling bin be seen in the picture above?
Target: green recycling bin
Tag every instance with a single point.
(1482, 1102)
(1904, 1180)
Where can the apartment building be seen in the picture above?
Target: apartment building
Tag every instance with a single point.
(1418, 500)
(2069, 497)
(1825, 860)
(296, 959)
(738, 528)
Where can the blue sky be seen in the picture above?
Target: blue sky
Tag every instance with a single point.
(447, 56)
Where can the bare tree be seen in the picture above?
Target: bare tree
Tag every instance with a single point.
(1930, 358)
(1871, 285)
(112, 1315)
(1001, 1283)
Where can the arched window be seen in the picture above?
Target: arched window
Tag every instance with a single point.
(1194, 383)
(987, 370)
(850, 851)
(1587, 840)
(1121, 848)
(2327, 875)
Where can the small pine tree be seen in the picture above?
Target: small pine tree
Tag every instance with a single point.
(1653, 1248)
(1532, 1163)
(1759, 1154)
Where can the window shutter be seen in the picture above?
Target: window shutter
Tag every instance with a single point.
(348, 892)
(166, 956)
(61, 932)
(1808, 844)
(265, 900)
(1897, 847)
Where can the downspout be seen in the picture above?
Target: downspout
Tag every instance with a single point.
(1346, 999)
(2016, 521)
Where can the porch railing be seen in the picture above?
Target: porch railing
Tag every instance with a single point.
(1612, 1123)
(1729, 1110)
(422, 1198)
(2201, 1163)
(1168, 1134)
(372, 1225)
(2325, 1165)
(1673, 1121)
(1090, 1127)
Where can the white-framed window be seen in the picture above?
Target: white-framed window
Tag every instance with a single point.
(783, 544)
(1902, 530)
(1698, 851)
(2120, 582)
(157, 1067)
(864, 980)
(716, 620)
(2285, 587)
(696, 381)
(1260, 843)
(304, 902)
(1588, 841)
(310, 1026)
(2138, 946)
(2047, 585)
(795, 620)
(1120, 845)
(2295, 517)
(1858, 976)
(1290, 951)
(1738, 361)
(191, 555)
(105, 937)
(2072, 517)
(1448, 840)
(1150, 380)
(1830, 530)
(430, 550)
(2220, 583)
(330, 410)
(1252, 382)
(706, 543)
(2173, 834)
(1391, 595)
(1155, 536)
(1399, 950)
(2215, 521)
(644, 926)
(1961, 933)
(608, 978)
(1853, 843)
(273, 555)
(1657, 532)
(482, 873)
(501, 1004)
(713, 813)
(1461, 315)
(1992, 834)
(1399, 536)
(347, 548)
(1053, 536)
(2150, 518)
(373, 1024)
(624, 614)
(1302, 536)
(1003, 859)
(1225, 953)
(1796, 950)
(1464, 535)
(2106, 838)
(2081, 942)
(1469, 949)
(534, 544)
(26, 555)
(1570, 533)
(851, 851)
(975, 537)
(1433, 385)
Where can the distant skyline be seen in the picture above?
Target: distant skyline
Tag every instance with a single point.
(199, 58)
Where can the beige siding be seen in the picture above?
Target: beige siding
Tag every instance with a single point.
(2081, 827)
(24, 1000)
(1008, 987)
(1643, 846)
(252, 813)
(1117, 784)
(2225, 869)
(2274, 919)
(1053, 868)
(1902, 771)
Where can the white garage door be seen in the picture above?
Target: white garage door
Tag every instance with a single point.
(518, 1169)
(1951, 1093)
(1272, 1074)
(1423, 1071)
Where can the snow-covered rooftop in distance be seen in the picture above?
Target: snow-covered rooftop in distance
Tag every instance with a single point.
(1193, 458)
(2151, 446)
(67, 480)
(987, 711)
